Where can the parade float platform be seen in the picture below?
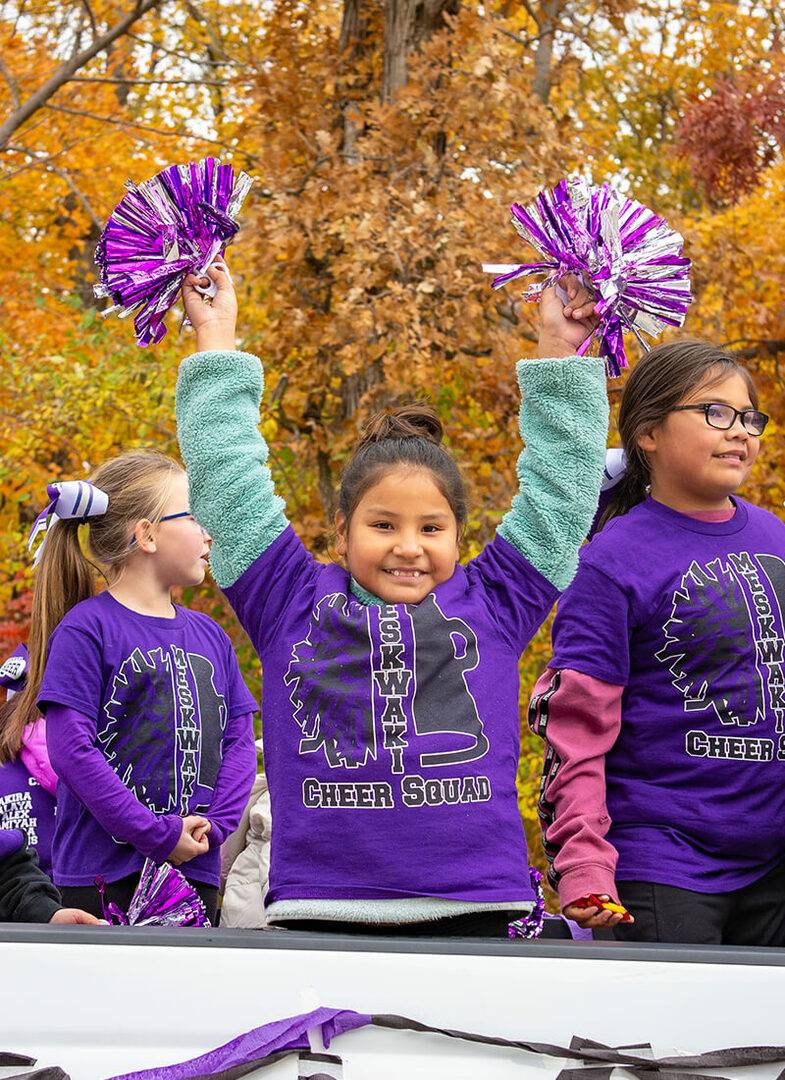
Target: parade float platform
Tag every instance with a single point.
(109, 1000)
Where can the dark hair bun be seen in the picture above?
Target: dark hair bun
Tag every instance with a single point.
(402, 422)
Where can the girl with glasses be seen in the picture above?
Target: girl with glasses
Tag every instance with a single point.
(663, 708)
(149, 725)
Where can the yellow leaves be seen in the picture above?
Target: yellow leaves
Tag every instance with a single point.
(270, 429)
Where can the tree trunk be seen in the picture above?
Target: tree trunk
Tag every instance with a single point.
(548, 19)
(407, 23)
(354, 43)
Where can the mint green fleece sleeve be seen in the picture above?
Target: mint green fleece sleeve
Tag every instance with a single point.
(564, 425)
(231, 489)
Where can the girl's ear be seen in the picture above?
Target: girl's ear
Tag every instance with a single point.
(648, 440)
(143, 539)
(340, 533)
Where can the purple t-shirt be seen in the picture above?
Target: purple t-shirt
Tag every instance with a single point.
(161, 697)
(687, 615)
(391, 733)
(25, 805)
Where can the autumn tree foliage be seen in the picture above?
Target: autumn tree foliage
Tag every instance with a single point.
(387, 138)
(731, 135)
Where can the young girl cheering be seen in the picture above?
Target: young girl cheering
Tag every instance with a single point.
(148, 722)
(391, 682)
(663, 709)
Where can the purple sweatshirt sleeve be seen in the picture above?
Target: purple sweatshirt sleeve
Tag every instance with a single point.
(235, 779)
(579, 718)
(77, 761)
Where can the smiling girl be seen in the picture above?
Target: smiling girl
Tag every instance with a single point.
(390, 707)
(663, 709)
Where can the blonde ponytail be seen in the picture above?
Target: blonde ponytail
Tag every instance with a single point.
(138, 486)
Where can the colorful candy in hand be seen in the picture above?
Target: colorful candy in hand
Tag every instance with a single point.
(175, 224)
(592, 901)
(628, 255)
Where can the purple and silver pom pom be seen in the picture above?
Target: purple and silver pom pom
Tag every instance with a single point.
(174, 224)
(624, 252)
(531, 925)
(162, 898)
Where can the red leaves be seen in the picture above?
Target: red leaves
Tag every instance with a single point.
(730, 136)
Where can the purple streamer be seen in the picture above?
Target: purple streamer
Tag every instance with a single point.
(628, 256)
(162, 898)
(530, 926)
(258, 1044)
(175, 224)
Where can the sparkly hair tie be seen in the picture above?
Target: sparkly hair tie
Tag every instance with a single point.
(71, 500)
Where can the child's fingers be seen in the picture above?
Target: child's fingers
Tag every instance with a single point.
(192, 280)
(571, 284)
(193, 821)
(578, 294)
(219, 273)
(603, 920)
(582, 916)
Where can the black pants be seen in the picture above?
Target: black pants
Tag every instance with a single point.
(485, 924)
(754, 915)
(120, 892)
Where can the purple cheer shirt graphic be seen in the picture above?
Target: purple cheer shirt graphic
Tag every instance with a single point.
(371, 680)
(724, 642)
(164, 724)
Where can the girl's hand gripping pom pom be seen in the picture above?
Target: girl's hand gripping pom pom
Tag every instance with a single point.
(177, 223)
(567, 316)
(623, 252)
(162, 898)
(215, 319)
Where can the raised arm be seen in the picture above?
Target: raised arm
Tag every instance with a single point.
(218, 394)
(564, 424)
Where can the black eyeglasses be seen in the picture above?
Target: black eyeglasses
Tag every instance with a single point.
(172, 517)
(724, 416)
